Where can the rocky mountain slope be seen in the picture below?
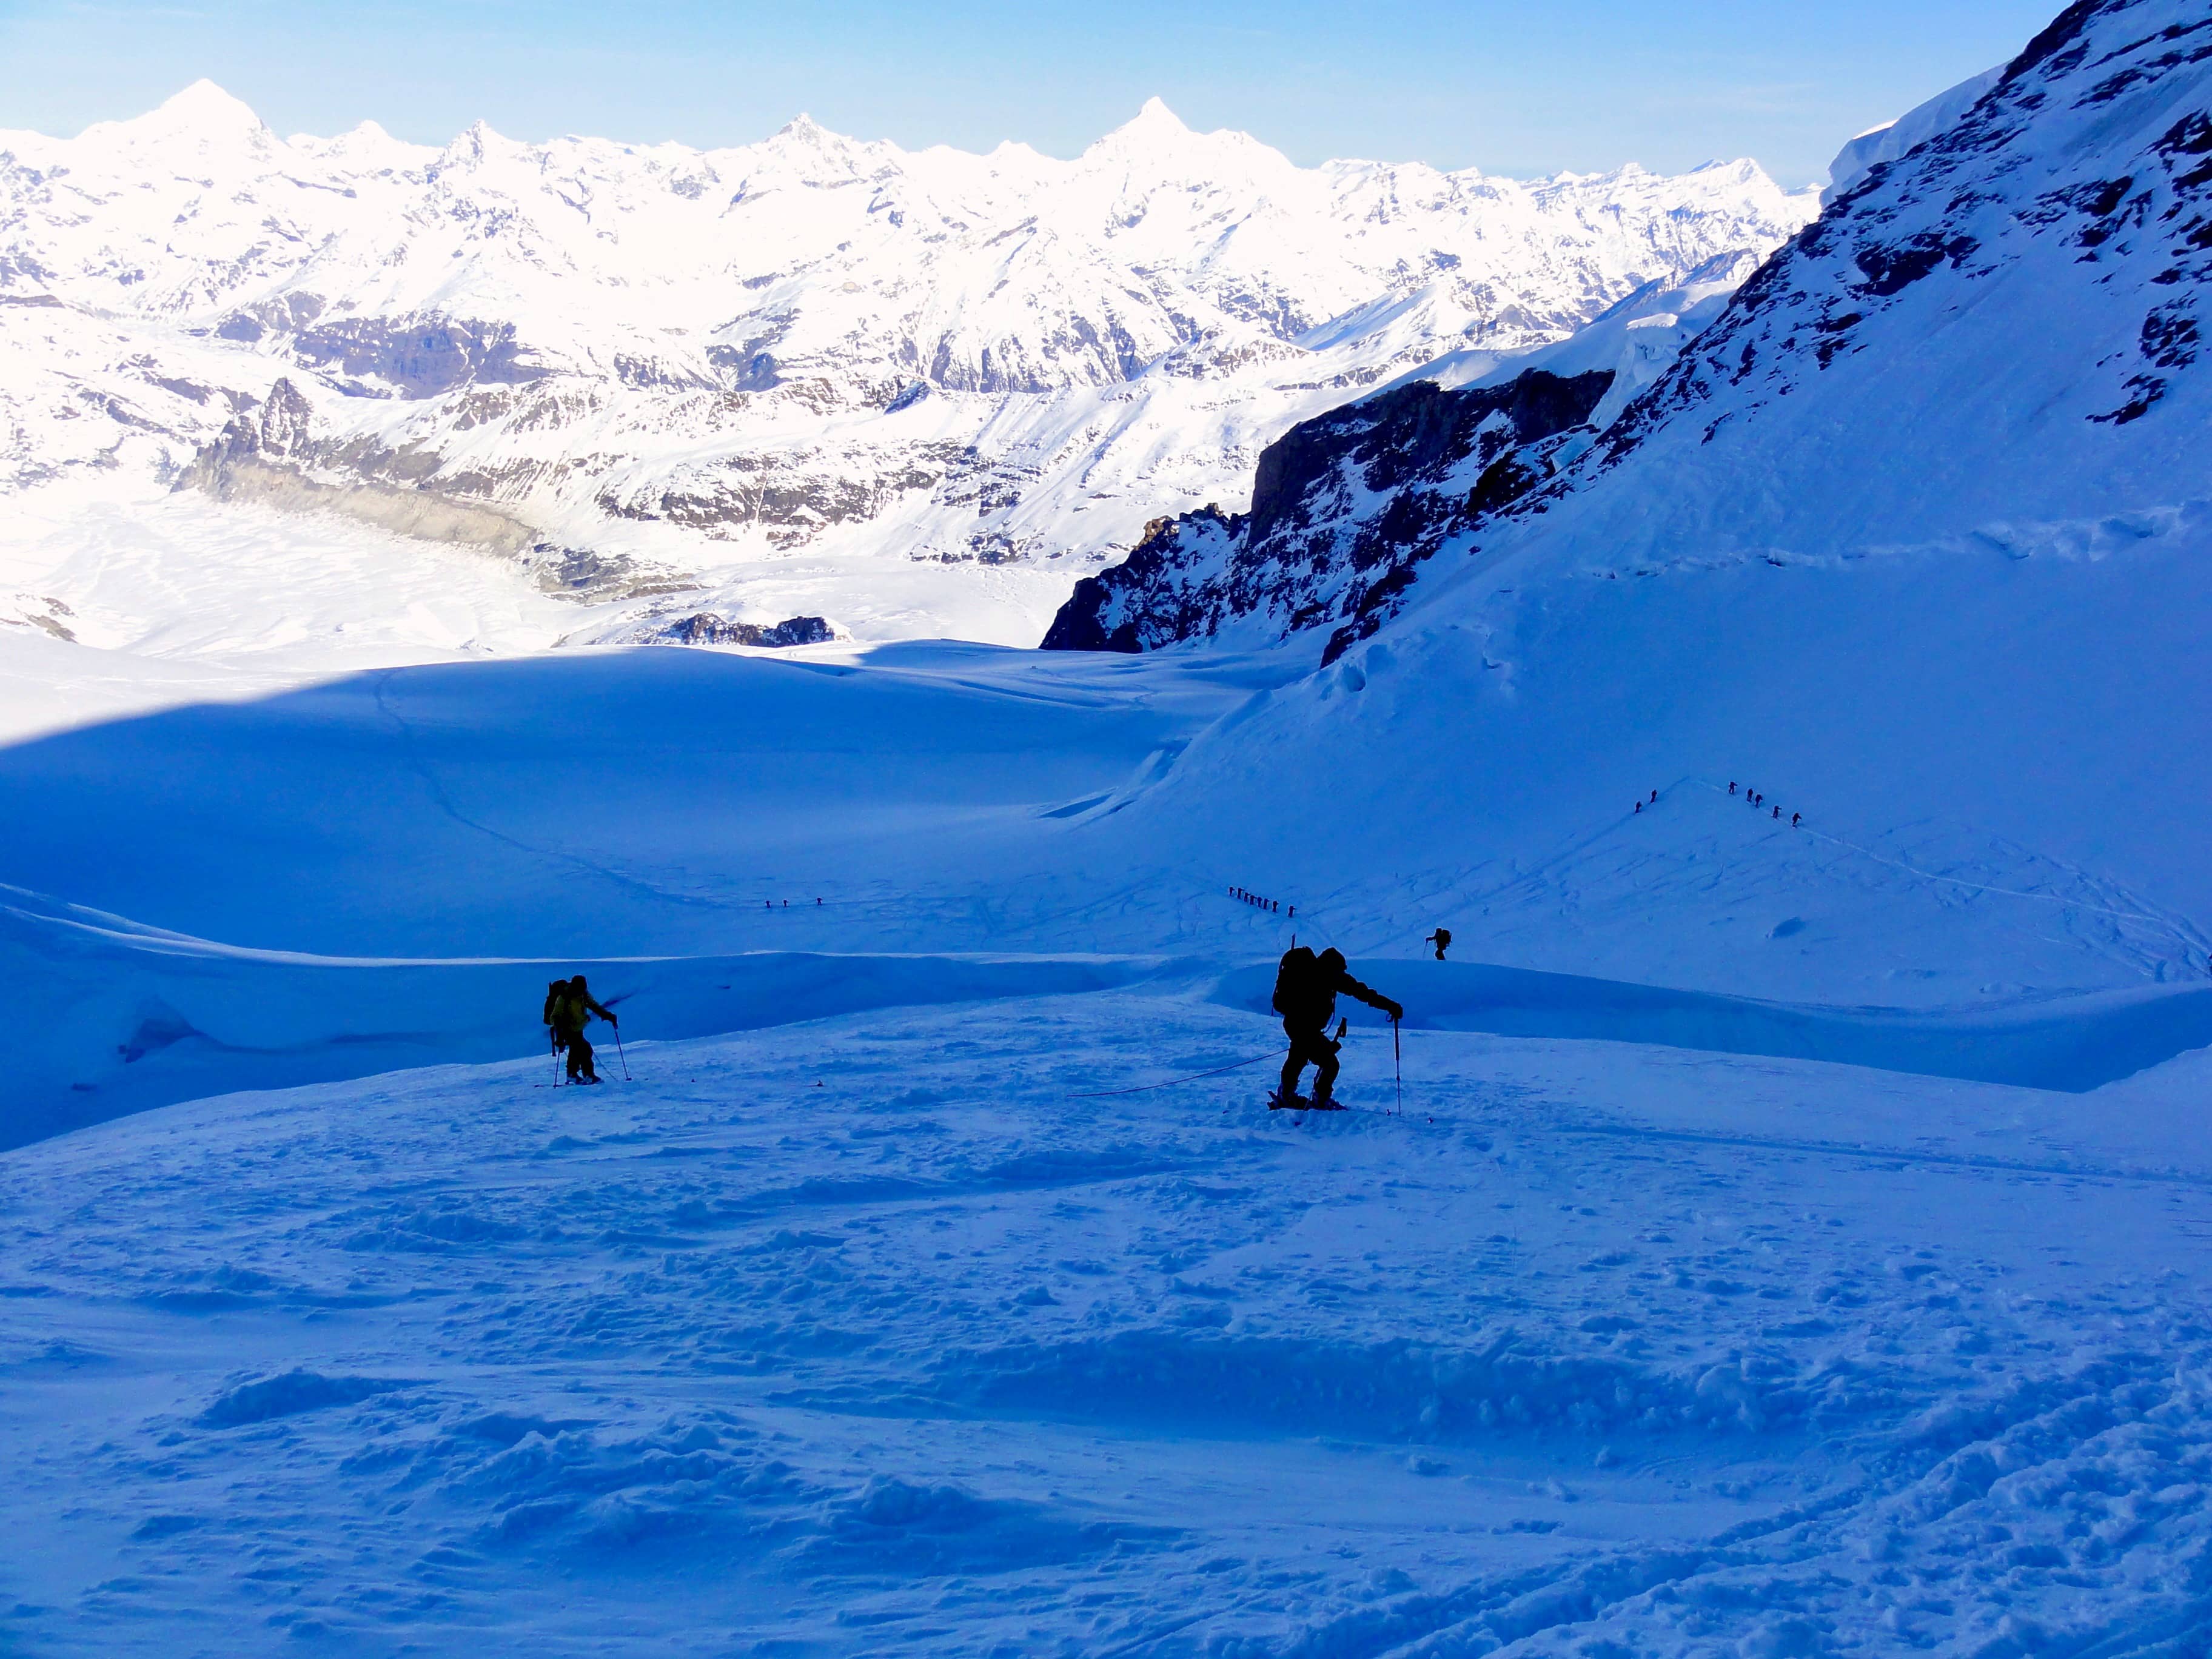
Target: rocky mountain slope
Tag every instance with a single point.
(1345, 505)
(1965, 339)
(1915, 539)
(775, 374)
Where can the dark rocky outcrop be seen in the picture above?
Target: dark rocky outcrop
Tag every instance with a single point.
(707, 628)
(419, 357)
(1344, 507)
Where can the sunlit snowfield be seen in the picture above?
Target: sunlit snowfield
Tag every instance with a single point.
(1864, 1307)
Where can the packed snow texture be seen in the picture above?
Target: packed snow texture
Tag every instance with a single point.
(865, 1336)
(1792, 1242)
(915, 392)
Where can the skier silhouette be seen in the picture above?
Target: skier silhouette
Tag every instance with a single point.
(1306, 987)
(568, 1009)
(1441, 939)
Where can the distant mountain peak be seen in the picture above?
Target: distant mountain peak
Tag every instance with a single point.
(1156, 117)
(203, 110)
(1153, 127)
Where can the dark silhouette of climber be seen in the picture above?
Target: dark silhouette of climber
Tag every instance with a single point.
(568, 1009)
(1654, 796)
(1731, 788)
(1306, 987)
(1778, 811)
(1797, 818)
(1441, 939)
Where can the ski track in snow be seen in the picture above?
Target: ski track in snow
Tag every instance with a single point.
(934, 1359)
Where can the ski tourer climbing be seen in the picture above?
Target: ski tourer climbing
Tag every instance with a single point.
(1306, 990)
(1441, 939)
(568, 1009)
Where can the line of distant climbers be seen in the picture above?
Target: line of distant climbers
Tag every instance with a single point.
(1758, 800)
(1275, 906)
(1749, 794)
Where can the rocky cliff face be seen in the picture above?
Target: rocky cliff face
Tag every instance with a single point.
(1343, 508)
(1994, 325)
(995, 369)
(1347, 505)
(1995, 334)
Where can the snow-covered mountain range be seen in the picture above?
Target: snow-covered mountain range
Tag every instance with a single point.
(2004, 286)
(811, 375)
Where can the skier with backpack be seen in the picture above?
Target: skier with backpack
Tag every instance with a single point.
(569, 1007)
(1306, 990)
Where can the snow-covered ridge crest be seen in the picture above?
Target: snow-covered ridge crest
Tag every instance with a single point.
(2002, 324)
(707, 358)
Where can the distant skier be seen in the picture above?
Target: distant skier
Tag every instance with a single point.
(1441, 939)
(1778, 811)
(568, 1009)
(1655, 797)
(1731, 786)
(1306, 987)
(1797, 818)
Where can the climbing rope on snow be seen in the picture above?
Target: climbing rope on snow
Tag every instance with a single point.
(1147, 1088)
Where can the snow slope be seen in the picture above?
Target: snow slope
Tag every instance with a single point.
(1793, 1242)
(863, 1336)
(797, 373)
(1879, 544)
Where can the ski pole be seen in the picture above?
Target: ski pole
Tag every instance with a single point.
(554, 1039)
(620, 1055)
(1398, 1065)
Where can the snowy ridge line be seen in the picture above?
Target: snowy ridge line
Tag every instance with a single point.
(2068, 1045)
(2087, 539)
(1881, 1155)
(2181, 928)
(162, 941)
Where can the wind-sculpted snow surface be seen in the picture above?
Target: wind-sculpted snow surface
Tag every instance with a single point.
(987, 369)
(867, 1335)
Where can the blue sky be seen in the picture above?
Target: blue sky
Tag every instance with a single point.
(1506, 85)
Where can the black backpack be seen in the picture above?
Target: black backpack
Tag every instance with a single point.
(554, 993)
(1294, 980)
